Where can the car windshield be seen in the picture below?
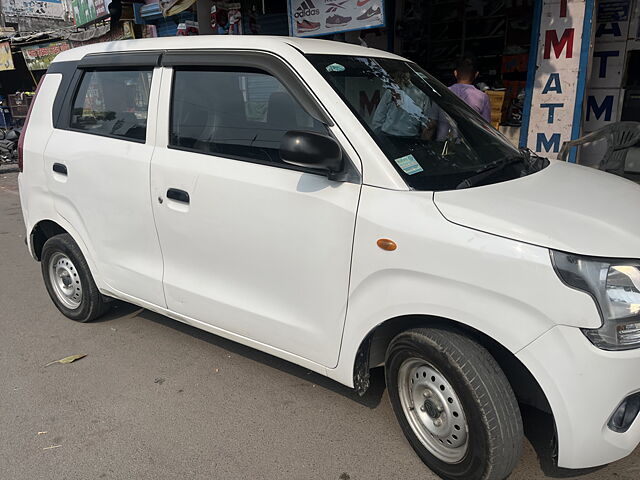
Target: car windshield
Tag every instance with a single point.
(433, 139)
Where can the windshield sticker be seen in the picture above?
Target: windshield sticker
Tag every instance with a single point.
(335, 67)
(408, 164)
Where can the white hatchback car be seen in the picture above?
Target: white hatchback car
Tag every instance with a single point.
(337, 207)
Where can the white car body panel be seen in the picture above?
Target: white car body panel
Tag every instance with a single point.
(34, 194)
(568, 207)
(478, 257)
(255, 42)
(489, 283)
(584, 386)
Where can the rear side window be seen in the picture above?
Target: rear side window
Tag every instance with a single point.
(239, 114)
(113, 103)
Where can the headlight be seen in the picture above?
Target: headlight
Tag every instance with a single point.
(615, 287)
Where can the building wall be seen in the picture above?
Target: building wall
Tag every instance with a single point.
(34, 8)
(616, 36)
(30, 16)
(614, 40)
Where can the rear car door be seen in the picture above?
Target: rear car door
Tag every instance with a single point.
(251, 245)
(97, 163)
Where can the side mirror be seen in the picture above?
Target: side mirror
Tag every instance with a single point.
(308, 149)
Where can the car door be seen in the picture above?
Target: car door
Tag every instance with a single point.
(97, 163)
(251, 245)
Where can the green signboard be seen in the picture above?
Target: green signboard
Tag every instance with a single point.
(87, 11)
(39, 57)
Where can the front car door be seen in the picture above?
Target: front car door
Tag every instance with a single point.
(251, 245)
(97, 164)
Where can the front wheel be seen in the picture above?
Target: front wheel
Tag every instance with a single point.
(454, 404)
(68, 280)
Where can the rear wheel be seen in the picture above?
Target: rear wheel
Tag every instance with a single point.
(69, 281)
(454, 404)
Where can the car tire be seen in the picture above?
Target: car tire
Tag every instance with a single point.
(68, 280)
(454, 404)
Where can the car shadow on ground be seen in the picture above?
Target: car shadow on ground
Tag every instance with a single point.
(370, 399)
(538, 425)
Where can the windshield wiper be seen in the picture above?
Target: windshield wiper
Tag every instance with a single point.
(489, 170)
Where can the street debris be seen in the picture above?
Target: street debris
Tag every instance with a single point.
(52, 446)
(42, 433)
(69, 359)
(159, 381)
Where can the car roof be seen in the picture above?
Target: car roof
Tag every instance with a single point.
(241, 42)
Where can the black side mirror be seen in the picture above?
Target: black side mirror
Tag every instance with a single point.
(313, 150)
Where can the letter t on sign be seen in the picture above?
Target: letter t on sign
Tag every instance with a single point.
(552, 109)
(563, 8)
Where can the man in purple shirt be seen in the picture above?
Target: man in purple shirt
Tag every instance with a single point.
(466, 73)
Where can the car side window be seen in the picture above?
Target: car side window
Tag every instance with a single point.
(113, 103)
(241, 114)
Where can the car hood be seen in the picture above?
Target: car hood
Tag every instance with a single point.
(564, 206)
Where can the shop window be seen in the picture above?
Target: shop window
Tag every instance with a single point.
(237, 114)
(632, 79)
(113, 103)
(631, 103)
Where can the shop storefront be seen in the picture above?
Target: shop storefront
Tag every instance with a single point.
(553, 69)
(22, 63)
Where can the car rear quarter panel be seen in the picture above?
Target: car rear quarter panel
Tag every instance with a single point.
(35, 196)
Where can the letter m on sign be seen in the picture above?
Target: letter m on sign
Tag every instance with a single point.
(551, 40)
(551, 144)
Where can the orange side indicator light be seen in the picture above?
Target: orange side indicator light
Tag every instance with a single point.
(386, 244)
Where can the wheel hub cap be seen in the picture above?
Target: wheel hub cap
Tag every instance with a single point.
(65, 280)
(433, 410)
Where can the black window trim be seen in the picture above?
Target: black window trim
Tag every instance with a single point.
(258, 59)
(353, 175)
(68, 71)
(148, 59)
(64, 121)
(73, 71)
(240, 158)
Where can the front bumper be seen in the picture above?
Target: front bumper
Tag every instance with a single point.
(584, 385)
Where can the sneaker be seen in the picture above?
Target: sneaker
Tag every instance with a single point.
(370, 13)
(337, 21)
(362, 3)
(307, 26)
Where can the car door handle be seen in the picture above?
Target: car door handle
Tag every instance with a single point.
(60, 168)
(178, 195)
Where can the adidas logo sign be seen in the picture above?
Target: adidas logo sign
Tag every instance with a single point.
(306, 9)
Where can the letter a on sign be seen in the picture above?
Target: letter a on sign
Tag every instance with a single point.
(551, 40)
(553, 84)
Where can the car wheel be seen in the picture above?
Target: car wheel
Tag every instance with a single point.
(454, 404)
(69, 281)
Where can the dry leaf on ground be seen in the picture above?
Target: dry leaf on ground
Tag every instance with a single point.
(69, 359)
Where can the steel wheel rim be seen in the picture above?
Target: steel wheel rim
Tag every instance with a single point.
(433, 410)
(65, 280)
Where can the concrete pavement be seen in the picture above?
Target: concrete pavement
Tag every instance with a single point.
(156, 399)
